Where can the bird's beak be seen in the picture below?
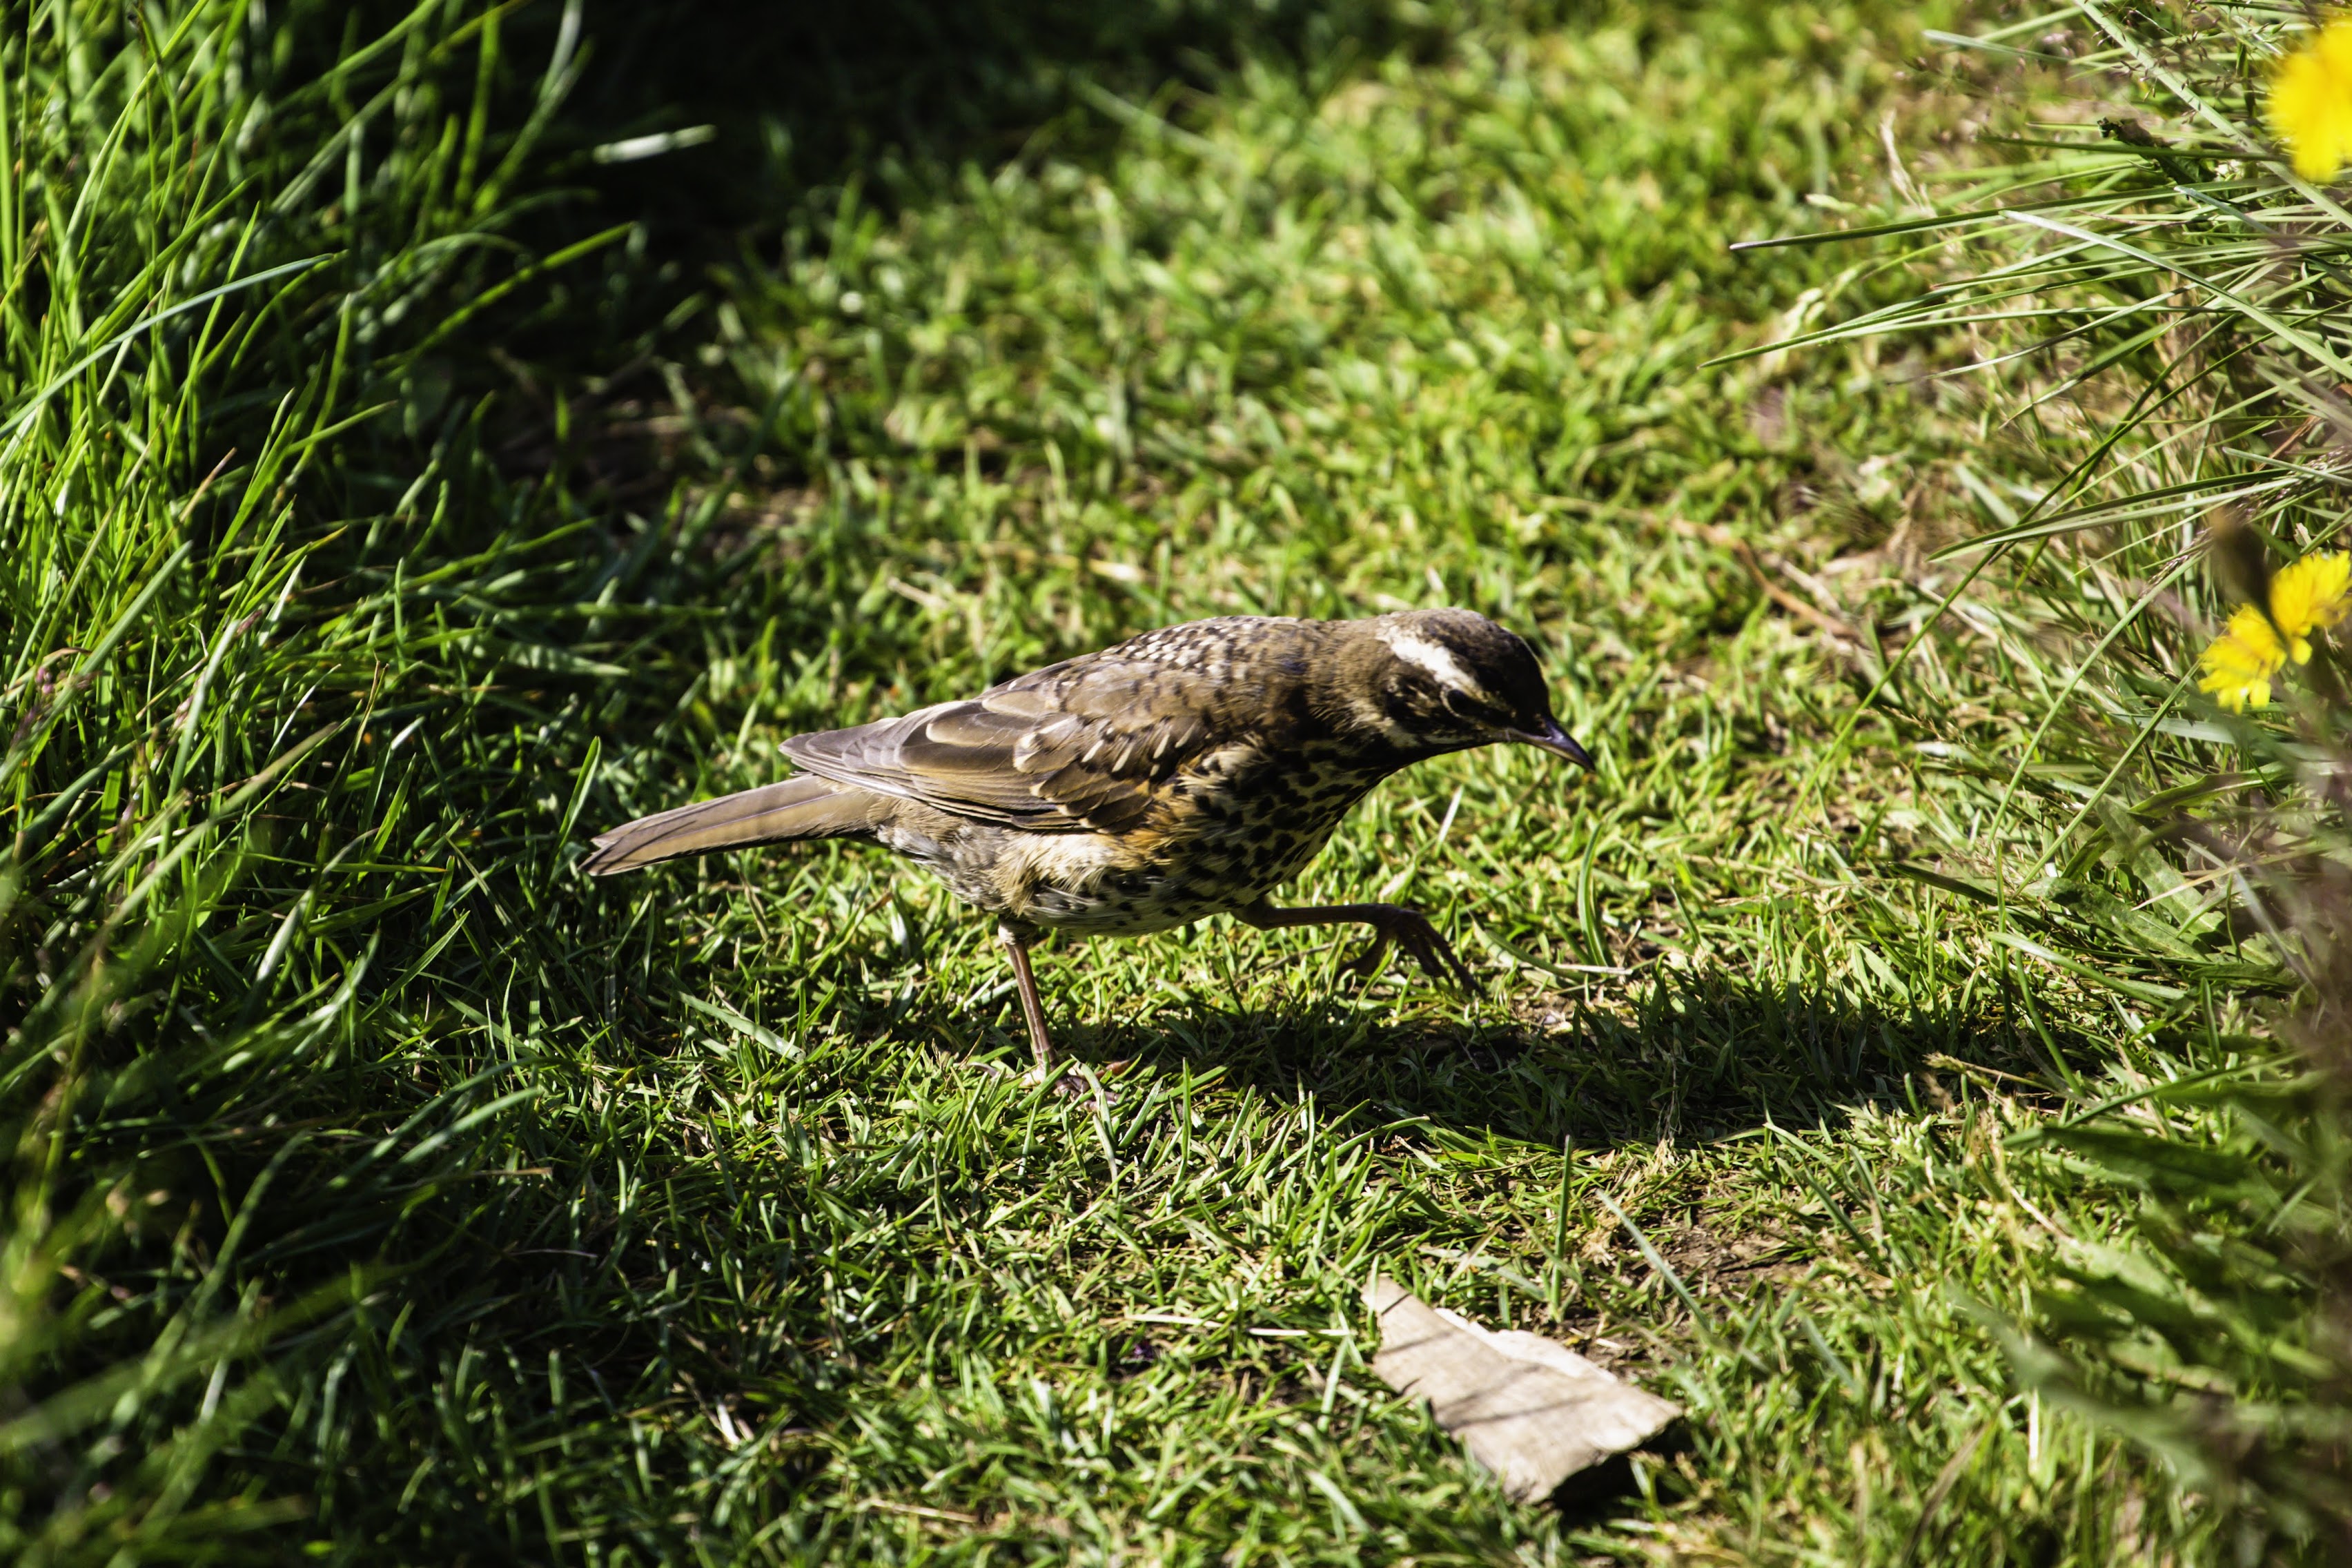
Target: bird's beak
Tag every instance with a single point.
(1553, 739)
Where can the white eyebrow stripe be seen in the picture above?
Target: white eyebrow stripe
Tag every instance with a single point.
(1434, 658)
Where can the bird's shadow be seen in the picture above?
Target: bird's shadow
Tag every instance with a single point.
(1661, 1057)
(1683, 1057)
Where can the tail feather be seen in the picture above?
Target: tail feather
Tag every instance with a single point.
(802, 806)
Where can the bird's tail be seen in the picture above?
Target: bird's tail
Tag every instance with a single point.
(802, 807)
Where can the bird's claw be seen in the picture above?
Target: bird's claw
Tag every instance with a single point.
(1072, 1084)
(1411, 929)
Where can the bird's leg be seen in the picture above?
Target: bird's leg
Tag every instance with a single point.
(1016, 941)
(1408, 928)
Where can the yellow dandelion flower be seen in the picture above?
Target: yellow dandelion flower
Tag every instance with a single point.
(2239, 666)
(2308, 596)
(2310, 106)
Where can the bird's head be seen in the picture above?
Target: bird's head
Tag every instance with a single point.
(1428, 681)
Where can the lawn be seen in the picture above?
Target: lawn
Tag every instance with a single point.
(385, 1190)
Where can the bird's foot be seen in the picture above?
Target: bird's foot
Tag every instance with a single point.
(1038, 1076)
(1074, 1083)
(1409, 930)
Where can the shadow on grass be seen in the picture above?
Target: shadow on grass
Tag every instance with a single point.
(1668, 1056)
(803, 96)
(786, 111)
(1684, 1060)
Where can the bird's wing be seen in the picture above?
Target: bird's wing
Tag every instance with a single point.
(1076, 747)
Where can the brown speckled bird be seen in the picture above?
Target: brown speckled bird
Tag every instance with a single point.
(1185, 772)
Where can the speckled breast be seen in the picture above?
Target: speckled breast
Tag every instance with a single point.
(1224, 840)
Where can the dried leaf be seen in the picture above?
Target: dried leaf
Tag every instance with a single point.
(1533, 1412)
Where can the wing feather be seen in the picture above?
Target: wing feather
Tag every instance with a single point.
(1077, 747)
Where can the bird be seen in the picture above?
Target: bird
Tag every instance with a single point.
(1188, 771)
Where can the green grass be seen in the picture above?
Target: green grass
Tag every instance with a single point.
(384, 1189)
(2180, 324)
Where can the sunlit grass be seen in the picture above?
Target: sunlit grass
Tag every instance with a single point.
(382, 1184)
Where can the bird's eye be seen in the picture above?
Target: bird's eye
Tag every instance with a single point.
(1465, 706)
